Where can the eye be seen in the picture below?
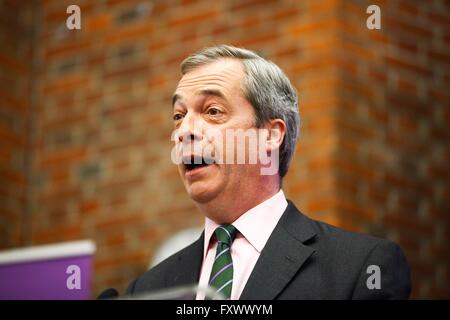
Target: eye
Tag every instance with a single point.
(214, 111)
(177, 116)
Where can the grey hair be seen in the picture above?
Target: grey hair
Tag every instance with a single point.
(267, 89)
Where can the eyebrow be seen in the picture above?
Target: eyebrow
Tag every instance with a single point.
(175, 99)
(206, 92)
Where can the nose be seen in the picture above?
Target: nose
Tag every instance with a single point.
(189, 130)
(188, 137)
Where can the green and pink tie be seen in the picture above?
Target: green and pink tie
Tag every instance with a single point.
(221, 278)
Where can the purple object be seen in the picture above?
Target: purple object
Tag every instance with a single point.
(61, 271)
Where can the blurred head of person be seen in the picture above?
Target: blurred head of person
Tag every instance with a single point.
(232, 112)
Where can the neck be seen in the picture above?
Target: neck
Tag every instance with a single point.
(227, 208)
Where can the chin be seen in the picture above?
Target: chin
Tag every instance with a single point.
(201, 193)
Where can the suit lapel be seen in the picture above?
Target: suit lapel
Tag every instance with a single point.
(281, 258)
(188, 265)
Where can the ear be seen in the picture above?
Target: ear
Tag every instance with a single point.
(276, 132)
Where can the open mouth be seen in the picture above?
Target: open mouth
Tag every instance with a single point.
(192, 163)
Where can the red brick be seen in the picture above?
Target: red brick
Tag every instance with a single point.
(99, 22)
(140, 69)
(14, 103)
(63, 156)
(412, 27)
(122, 184)
(89, 207)
(69, 48)
(408, 8)
(251, 4)
(14, 64)
(128, 34)
(316, 27)
(261, 39)
(405, 219)
(196, 17)
(284, 14)
(121, 220)
(411, 67)
(407, 86)
(69, 83)
(57, 235)
(370, 100)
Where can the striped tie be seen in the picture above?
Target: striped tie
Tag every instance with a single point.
(222, 271)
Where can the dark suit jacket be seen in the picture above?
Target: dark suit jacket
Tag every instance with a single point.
(303, 259)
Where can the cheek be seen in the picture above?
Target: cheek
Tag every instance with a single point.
(226, 145)
(215, 146)
(233, 173)
(242, 150)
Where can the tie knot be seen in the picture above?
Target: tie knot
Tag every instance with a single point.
(226, 233)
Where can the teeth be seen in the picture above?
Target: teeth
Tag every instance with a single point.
(193, 162)
(198, 160)
(208, 161)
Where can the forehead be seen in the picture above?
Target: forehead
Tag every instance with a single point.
(224, 74)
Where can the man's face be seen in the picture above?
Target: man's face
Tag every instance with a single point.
(209, 98)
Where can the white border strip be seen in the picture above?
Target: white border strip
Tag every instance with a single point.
(48, 252)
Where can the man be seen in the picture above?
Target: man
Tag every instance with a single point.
(256, 244)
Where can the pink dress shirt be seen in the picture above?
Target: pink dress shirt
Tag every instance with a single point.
(255, 227)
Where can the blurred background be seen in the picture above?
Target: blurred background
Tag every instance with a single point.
(85, 122)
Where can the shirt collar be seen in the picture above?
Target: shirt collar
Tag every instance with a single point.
(256, 225)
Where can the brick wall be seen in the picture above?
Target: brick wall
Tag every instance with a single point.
(15, 101)
(392, 161)
(372, 156)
